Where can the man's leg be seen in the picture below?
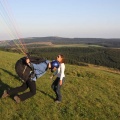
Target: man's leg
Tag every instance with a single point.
(16, 90)
(32, 87)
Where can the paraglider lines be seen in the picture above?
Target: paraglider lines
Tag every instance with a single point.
(8, 18)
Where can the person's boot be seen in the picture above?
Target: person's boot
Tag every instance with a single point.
(17, 99)
(5, 94)
(57, 101)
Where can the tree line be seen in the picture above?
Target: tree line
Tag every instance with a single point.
(77, 55)
(80, 55)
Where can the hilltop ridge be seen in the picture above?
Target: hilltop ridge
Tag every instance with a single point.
(110, 42)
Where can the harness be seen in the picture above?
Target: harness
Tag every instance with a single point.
(26, 71)
(32, 72)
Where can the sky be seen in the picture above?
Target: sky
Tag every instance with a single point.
(62, 18)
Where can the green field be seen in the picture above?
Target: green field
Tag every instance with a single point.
(76, 45)
(89, 93)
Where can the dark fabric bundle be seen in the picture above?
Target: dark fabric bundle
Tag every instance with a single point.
(22, 69)
(25, 71)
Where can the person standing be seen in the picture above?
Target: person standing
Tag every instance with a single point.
(58, 82)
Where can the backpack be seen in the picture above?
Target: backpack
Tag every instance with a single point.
(25, 71)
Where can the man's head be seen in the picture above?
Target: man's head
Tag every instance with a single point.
(53, 65)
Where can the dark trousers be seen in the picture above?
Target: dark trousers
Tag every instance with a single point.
(56, 88)
(28, 84)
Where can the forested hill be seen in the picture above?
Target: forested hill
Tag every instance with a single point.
(114, 42)
(61, 40)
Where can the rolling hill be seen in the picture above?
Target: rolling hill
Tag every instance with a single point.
(113, 42)
(89, 93)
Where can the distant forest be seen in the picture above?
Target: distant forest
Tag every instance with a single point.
(99, 56)
(105, 56)
(79, 55)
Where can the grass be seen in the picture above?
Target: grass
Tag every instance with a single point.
(89, 93)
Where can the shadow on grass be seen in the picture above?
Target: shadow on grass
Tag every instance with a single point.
(46, 94)
(8, 72)
(4, 86)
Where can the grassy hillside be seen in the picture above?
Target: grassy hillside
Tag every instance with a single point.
(89, 93)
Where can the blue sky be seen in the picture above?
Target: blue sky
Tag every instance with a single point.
(64, 18)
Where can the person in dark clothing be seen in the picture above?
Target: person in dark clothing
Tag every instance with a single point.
(39, 70)
(58, 82)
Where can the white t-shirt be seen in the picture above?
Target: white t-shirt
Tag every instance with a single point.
(60, 71)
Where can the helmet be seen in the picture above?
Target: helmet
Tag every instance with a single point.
(54, 63)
